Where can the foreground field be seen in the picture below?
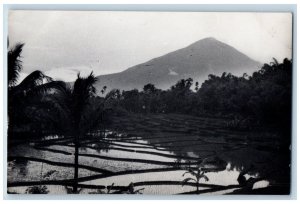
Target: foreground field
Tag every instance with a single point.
(150, 154)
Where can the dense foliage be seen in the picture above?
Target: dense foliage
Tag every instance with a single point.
(262, 98)
(24, 97)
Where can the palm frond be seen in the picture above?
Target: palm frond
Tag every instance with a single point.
(187, 180)
(83, 89)
(275, 62)
(14, 63)
(50, 86)
(90, 81)
(59, 113)
(83, 82)
(190, 171)
(185, 173)
(205, 177)
(33, 80)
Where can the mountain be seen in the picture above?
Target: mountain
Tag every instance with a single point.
(198, 60)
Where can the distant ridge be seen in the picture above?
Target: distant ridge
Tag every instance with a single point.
(198, 60)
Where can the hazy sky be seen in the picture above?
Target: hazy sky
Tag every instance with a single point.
(62, 43)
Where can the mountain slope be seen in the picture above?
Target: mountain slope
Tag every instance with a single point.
(198, 60)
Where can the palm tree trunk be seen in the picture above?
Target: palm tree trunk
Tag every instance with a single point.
(75, 185)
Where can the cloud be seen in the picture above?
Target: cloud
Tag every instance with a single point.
(68, 74)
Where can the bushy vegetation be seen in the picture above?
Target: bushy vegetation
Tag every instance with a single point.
(37, 190)
(264, 98)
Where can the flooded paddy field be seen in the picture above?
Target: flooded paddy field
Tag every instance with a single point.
(154, 154)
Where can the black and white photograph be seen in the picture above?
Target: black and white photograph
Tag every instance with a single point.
(152, 103)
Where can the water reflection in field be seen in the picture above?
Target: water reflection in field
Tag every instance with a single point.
(154, 161)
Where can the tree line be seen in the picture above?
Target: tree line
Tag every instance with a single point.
(263, 98)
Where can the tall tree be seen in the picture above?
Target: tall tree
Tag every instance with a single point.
(76, 113)
(22, 95)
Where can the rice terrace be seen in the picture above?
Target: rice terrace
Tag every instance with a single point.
(204, 119)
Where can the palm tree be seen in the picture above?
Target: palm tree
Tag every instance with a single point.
(22, 95)
(197, 173)
(73, 109)
(14, 63)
